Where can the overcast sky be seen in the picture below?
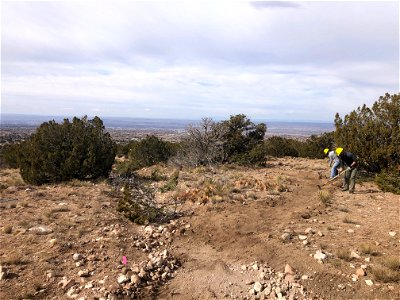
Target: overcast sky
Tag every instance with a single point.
(192, 59)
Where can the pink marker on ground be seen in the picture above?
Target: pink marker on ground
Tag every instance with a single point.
(124, 260)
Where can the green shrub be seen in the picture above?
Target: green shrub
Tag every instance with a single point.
(389, 182)
(373, 134)
(240, 137)
(79, 149)
(279, 147)
(9, 155)
(150, 151)
(138, 205)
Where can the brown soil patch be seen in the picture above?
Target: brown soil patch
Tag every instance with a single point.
(232, 217)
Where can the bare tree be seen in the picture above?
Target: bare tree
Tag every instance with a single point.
(204, 143)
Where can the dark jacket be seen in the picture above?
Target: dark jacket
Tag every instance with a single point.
(348, 158)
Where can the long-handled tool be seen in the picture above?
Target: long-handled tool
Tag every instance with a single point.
(330, 180)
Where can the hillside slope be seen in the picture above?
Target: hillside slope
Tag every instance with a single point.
(239, 229)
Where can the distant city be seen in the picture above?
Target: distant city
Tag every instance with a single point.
(121, 126)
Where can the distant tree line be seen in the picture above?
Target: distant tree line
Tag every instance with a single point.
(83, 149)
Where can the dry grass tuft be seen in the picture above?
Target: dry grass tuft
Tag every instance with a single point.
(13, 259)
(392, 262)
(344, 254)
(369, 249)
(325, 197)
(7, 229)
(347, 220)
(384, 274)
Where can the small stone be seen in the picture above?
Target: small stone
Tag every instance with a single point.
(319, 255)
(258, 287)
(289, 270)
(302, 237)
(319, 233)
(41, 230)
(83, 273)
(286, 237)
(243, 268)
(52, 242)
(367, 259)
(3, 273)
(135, 279)
(309, 230)
(391, 287)
(289, 278)
(66, 284)
(255, 267)
(50, 274)
(261, 275)
(149, 230)
(89, 285)
(249, 282)
(360, 272)
(392, 233)
(369, 282)
(354, 254)
(267, 290)
(305, 243)
(341, 286)
(304, 277)
(77, 256)
(122, 279)
(350, 231)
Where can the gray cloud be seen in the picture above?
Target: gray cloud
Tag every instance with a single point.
(196, 59)
(274, 4)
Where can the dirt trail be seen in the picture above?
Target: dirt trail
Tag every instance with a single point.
(231, 235)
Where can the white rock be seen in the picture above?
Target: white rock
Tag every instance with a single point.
(289, 270)
(319, 255)
(354, 254)
(149, 230)
(302, 237)
(41, 230)
(255, 267)
(77, 256)
(257, 287)
(350, 231)
(52, 242)
(360, 272)
(135, 279)
(243, 267)
(286, 237)
(392, 233)
(3, 273)
(261, 275)
(122, 279)
(83, 273)
(369, 282)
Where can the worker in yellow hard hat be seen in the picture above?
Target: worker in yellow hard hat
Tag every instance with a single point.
(350, 160)
(333, 162)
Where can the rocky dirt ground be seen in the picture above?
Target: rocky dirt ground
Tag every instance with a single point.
(266, 233)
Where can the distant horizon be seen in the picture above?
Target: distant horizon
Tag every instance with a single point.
(50, 117)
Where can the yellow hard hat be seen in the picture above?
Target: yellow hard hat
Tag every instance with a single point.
(338, 151)
(326, 150)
